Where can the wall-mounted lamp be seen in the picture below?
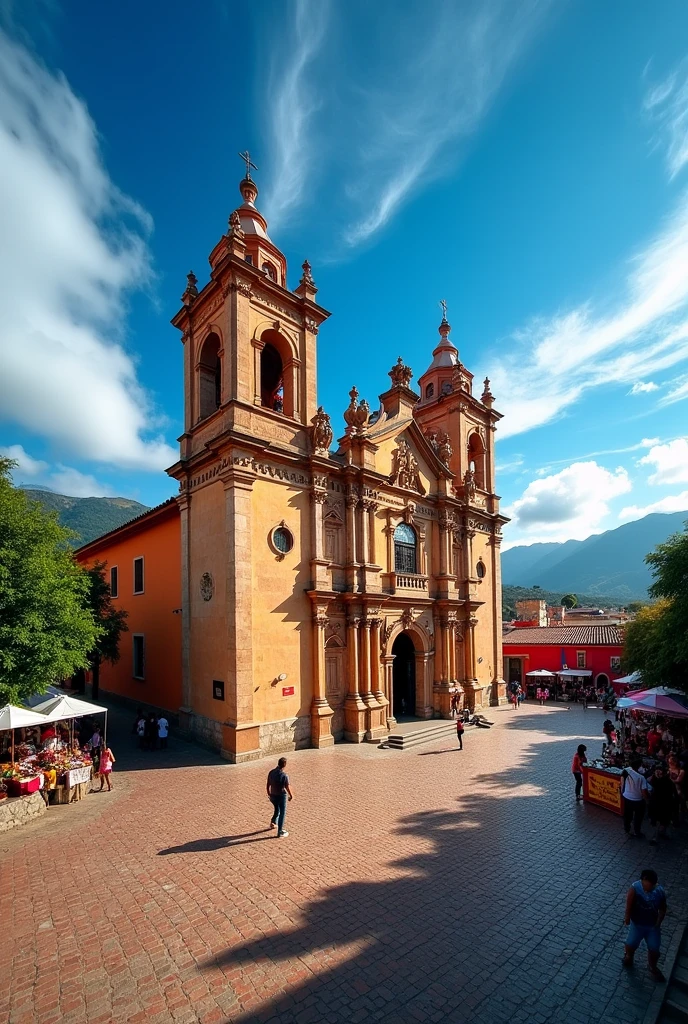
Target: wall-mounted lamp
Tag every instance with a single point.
(480, 661)
(280, 679)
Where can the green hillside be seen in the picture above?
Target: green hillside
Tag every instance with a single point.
(511, 594)
(609, 566)
(88, 517)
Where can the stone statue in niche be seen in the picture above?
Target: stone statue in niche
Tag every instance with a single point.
(321, 431)
(442, 446)
(469, 487)
(207, 586)
(405, 471)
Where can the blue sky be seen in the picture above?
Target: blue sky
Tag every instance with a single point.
(527, 161)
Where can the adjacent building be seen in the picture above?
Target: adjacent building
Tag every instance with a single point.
(593, 649)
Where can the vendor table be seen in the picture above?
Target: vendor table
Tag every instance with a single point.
(602, 786)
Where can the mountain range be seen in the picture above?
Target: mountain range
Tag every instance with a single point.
(88, 518)
(610, 564)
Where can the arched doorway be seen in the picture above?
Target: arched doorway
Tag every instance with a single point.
(403, 677)
(602, 681)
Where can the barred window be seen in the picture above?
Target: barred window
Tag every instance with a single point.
(405, 542)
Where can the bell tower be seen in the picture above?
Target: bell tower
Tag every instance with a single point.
(250, 375)
(250, 358)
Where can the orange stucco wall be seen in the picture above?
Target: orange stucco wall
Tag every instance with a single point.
(156, 613)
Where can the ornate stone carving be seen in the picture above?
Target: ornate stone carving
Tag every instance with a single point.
(245, 288)
(406, 618)
(235, 228)
(311, 324)
(307, 277)
(441, 445)
(207, 586)
(469, 486)
(319, 497)
(356, 416)
(487, 398)
(191, 290)
(333, 629)
(405, 472)
(321, 621)
(401, 374)
(321, 432)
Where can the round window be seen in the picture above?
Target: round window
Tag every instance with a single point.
(480, 569)
(281, 541)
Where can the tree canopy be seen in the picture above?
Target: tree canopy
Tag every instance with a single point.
(656, 642)
(46, 628)
(569, 601)
(112, 622)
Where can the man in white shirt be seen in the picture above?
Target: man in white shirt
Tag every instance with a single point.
(163, 729)
(635, 790)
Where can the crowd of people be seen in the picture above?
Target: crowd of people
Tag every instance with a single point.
(152, 730)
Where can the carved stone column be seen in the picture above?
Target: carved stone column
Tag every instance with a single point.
(321, 712)
(258, 347)
(364, 670)
(377, 716)
(387, 668)
(372, 523)
(319, 564)
(362, 517)
(444, 688)
(186, 710)
(351, 559)
(354, 708)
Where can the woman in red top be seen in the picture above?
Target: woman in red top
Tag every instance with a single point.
(579, 759)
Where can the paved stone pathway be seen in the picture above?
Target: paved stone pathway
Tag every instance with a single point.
(430, 885)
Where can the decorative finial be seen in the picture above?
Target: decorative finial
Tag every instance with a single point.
(443, 304)
(246, 157)
(487, 397)
(307, 277)
(401, 374)
(191, 290)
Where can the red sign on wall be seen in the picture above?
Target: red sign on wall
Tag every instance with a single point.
(287, 691)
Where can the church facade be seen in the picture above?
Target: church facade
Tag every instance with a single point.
(327, 586)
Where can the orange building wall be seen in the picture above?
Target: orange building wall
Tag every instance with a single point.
(156, 613)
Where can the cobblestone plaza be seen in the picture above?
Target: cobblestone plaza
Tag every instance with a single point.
(464, 886)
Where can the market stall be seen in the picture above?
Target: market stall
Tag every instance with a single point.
(539, 680)
(602, 786)
(653, 729)
(572, 678)
(70, 771)
(16, 780)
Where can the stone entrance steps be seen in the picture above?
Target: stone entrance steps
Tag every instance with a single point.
(415, 734)
(675, 1004)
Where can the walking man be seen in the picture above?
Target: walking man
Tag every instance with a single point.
(279, 792)
(163, 729)
(646, 906)
(459, 732)
(635, 791)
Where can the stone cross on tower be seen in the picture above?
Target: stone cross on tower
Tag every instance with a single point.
(443, 304)
(246, 157)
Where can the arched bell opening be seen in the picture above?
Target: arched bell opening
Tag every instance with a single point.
(476, 459)
(277, 383)
(209, 377)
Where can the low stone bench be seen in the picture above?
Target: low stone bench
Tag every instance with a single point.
(17, 810)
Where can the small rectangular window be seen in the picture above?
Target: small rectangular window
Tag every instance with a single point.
(580, 658)
(114, 582)
(138, 575)
(615, 664)
(139, 653)
(218, 689)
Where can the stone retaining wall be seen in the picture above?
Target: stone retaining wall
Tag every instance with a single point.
(17, 810)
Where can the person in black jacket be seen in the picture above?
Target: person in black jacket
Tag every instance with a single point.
(661, 805)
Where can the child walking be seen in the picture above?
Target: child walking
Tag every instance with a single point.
(107, 759)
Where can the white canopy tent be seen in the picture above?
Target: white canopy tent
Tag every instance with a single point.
(13, 717)
(540, 673)
(635, 679)
(61, 708)
(575, 673)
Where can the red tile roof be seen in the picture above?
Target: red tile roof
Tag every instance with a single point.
(580, 636)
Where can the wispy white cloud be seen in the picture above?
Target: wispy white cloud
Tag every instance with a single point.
(63, 479)
(643, 332)
(389, 125)
(643, 387)
(668, 461)
(511, 466)
(666, 104)
(678, 390)
(672, 503)
(292, 100)
(71, 247)
(570, 504)
(447, 72)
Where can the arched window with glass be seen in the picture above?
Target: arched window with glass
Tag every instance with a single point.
(405, 549)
